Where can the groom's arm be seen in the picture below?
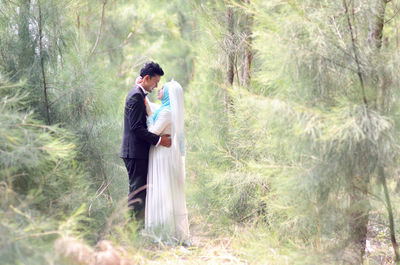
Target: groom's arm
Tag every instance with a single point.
(134, 109)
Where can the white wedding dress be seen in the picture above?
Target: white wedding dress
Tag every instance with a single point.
(166, 217)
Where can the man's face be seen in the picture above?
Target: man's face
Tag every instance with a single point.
(149, 83)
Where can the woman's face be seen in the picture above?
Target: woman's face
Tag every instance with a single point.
(160, 93)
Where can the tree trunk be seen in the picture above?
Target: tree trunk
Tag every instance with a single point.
(230, 72)
(359, 214)
(359, 202)
(377, 23)
(248, 53)
(375, 37)
(392, 229)
(355, 51)
(230, 53)
(42, 65)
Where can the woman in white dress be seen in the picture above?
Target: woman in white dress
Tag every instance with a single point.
(166, 216)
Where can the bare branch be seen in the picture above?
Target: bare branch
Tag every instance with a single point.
(100, 28)
(356, 57)
(395, 15)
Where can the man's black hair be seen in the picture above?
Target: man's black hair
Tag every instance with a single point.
(151, 69)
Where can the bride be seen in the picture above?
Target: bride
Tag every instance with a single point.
(166, 217)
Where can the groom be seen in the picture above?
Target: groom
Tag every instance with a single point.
(137, 139)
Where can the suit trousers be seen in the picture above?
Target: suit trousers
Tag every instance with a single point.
(137, 172)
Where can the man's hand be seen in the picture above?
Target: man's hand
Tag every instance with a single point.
(166, 140)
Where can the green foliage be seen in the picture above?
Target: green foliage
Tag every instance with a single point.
(41, 181)
(293, 157)
(308, 136)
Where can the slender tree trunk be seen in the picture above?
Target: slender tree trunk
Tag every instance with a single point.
(78, 21)
(248, 52)
(376, 26)
(395, 246)
(359, 214)
(375, 37)
(359, 203)
(397, 36)
(230, 72)
(375, 40)
(355, 51)
(248, 59)
(42, 64)
(230, 53)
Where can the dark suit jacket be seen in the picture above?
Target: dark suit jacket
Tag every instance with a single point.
(137, 139)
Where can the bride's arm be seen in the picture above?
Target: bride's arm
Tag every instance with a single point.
(163, 120)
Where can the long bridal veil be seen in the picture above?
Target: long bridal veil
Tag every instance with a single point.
(178, 159)
(177, 111)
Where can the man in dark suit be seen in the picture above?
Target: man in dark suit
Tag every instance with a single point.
(137, 139)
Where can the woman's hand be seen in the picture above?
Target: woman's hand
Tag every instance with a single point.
(139, 80)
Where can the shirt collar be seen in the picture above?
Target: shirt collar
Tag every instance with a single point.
(143, 90)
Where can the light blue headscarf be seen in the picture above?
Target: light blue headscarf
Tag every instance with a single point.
(165, 104)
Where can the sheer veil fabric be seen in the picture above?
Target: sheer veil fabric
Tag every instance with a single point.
(166, 217)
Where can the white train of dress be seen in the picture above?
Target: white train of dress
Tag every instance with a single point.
(166, 217)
